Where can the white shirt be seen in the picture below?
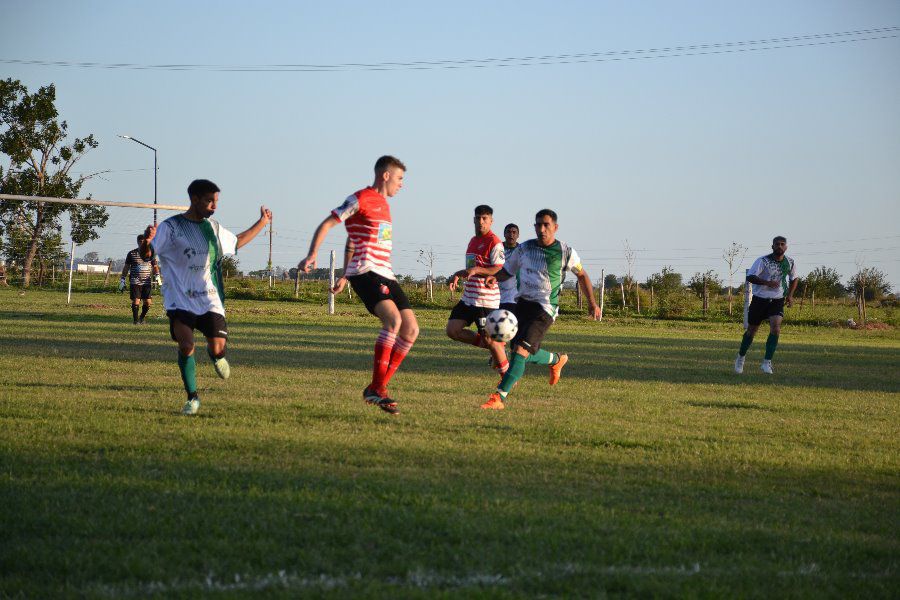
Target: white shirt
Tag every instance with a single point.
(190, 255)
(766, 267)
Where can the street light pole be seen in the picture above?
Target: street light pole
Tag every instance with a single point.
(155, 169)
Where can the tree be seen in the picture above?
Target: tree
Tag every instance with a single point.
(229, 267)
(666, 281)
(824, 282)
(610, 281)
(731, 254)
(870, 281)
(712, 282)
(92, 257)
(32, 137)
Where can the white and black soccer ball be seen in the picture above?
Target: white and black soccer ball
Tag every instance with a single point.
(501, 325)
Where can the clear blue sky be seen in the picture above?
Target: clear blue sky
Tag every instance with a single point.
(678, 155)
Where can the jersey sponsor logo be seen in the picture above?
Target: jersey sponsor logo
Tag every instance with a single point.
(190, 252)
(385, 232)
(470, 261)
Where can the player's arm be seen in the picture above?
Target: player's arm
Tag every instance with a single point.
(501, 275)
(309, 263)
(790, 296)
(754, 279)
(245, 237)
(588, 289)
(341, 283)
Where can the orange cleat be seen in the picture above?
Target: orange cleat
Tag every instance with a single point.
(495, 402)
(556, 370)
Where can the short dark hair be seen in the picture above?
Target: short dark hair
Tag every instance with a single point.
(140, 238)
(510, 226)
(483, 209)
(779, 238)
(388, 162)
(545, 212)
(202, 187)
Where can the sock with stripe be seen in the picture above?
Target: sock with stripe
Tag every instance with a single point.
(384, 345)
(745, 344)
(542, 357)
(401, 349)
(188, 367)
(513, 374)
(771, 344)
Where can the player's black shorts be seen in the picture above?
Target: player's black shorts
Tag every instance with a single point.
(471, 314)
(534, 322)
(510, 306)
(140, 292)
(763, 308)
(210, 324)
(372, 288)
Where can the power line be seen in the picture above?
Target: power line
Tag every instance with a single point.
(797, 41)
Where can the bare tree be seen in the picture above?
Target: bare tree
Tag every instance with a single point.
(734, 263)
(628, 281)
(426, 257)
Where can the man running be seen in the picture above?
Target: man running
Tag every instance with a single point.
(541, 264)
(367, 216)
(774, 280)
(139, 271)
(478, 299)
(191, 246)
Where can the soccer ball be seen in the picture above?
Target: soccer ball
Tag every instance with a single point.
(501, 325)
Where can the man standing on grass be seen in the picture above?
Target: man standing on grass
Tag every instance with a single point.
(541, 264)
(191, 246)
(367, 217)
(139, 271)
(774, 279)
(479, 299)
(509, 289)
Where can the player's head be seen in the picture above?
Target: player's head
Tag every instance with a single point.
(484, 219)
(389, 172)
(545, 226)
(204, 195)
(511, 234)
(140, 238)
(779, 245)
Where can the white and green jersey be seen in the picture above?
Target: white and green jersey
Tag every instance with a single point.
(542, 271)
(190, 254)
(766, 267)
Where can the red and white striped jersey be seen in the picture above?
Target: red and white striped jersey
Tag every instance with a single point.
(367, 217)
(483, 251)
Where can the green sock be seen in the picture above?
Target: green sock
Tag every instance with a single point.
(513, 374)
(188, 368)
(745, 344)
(771, 344)
(542, 357)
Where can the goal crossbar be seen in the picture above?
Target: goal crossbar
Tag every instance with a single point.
(14, 197)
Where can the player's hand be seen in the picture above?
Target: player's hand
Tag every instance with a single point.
(774, 283)
(789, 301)
(121, 284)
(594, 312)
(454, 282)
(307, 264)
(265, 215)
(339, 286)
(150, 233)
(490, 281)
(157, 280)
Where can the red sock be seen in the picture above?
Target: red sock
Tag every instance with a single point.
(401, 348)
(503, 368)
(384, 345)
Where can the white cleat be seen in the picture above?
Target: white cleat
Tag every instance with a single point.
(223, 369)
(191, 407)
(766, 367)
(739, 364)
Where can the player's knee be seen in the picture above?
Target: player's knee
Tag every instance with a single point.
(186, 348)
(453, 330)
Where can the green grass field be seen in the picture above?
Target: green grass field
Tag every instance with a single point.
(650, 470)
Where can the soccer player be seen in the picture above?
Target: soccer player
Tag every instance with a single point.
(509, 289)
(774, 280)
(191, 246)
(478, 299)
(367, 217)
(541, 264)
(139, 273)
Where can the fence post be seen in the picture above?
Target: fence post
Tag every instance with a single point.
(602, 291)
(331, 283)
(651, 296)
(297, 282)
(108, 269)
(637, 296)
(71, 267)
(622, 287)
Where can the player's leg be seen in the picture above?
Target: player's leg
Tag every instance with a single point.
(214, 327)
(145, 297)
(406, 337)
(755, 316)
(135, 294)
(372, 289)
(181, 328)
(771, 342)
